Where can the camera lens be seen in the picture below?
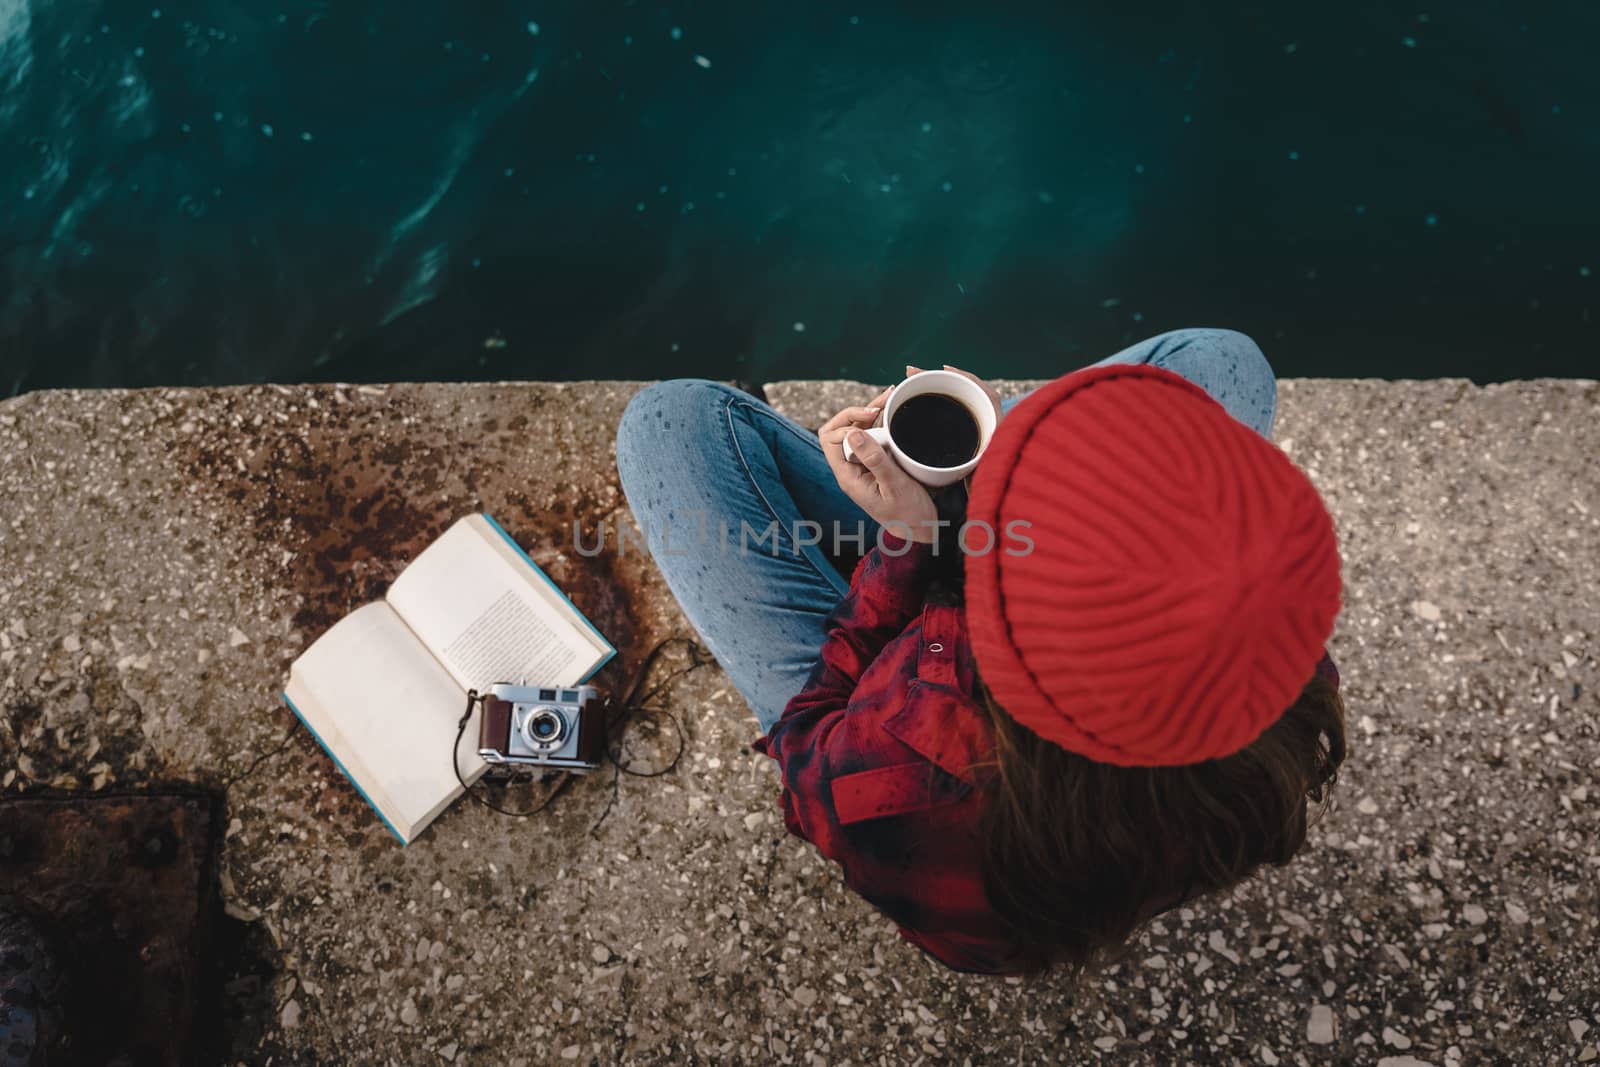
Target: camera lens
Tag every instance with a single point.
(544, 728)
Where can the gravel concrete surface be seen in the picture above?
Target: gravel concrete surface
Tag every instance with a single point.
(165, 554)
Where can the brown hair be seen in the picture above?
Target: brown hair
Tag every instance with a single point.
(1077, 855)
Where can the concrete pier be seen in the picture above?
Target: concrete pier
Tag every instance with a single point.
(164, 556)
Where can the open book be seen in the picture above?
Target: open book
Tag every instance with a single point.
(383, 689)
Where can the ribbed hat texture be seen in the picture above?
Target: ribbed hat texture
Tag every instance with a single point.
(1183, 580)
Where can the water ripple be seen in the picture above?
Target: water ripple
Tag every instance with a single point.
(16, 53)
(423, 284)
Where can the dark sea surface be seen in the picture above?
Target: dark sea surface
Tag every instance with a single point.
(224, 192)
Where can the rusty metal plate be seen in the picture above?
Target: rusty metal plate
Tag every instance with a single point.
(123, 888)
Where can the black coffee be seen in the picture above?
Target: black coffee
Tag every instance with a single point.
(935, 430)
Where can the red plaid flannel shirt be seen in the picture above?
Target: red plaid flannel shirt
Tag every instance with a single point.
(877, 755)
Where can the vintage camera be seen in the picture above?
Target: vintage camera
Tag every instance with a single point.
(543, 726)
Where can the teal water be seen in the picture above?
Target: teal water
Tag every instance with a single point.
(220, 192)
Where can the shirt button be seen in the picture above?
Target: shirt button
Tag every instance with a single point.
(936, 647)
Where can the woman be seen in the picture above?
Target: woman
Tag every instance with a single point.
(1021, 754)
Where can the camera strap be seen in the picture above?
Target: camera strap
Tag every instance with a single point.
(617, 712)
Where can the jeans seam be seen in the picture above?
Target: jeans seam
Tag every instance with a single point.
(738, 450)
(783, 423)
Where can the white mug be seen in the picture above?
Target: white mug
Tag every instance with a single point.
(948, 383)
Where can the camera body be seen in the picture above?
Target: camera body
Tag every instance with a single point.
(562, 727)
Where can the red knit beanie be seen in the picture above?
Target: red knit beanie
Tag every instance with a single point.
(1183, 576)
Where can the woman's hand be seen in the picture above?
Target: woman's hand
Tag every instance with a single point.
(994, 398)
(877, 483)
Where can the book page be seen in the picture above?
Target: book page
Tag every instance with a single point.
(386, 712)
(489, 616)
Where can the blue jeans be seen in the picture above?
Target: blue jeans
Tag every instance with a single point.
(708, 471)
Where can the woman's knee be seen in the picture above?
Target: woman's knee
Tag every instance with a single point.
(1231, 367)
(663, 426)
(1227, 364)
(662, 402)
(1226, 346)
(664, 408)
(1243, 351)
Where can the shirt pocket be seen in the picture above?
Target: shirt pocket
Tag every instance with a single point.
(939, 632)
(894, 790)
